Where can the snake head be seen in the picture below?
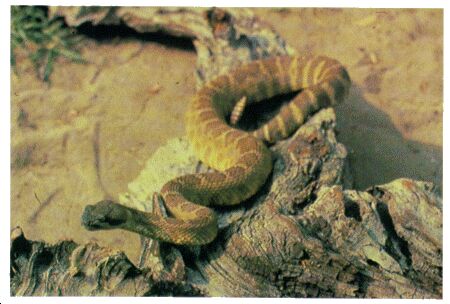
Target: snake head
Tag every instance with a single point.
(105, 214)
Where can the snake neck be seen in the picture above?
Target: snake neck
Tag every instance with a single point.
(189, 232)
(138, 222)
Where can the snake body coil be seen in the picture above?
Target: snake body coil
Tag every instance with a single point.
(242, 160)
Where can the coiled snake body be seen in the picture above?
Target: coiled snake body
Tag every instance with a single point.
(242, 160)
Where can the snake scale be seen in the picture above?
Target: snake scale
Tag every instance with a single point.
(241, 159)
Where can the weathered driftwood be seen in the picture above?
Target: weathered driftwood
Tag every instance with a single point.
(222, 38)
(305, 234)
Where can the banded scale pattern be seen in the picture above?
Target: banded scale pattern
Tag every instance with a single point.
(242, 159)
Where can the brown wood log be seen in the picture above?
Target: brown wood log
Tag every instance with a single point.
(304, 234)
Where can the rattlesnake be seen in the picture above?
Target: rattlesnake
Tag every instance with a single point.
(241, 159)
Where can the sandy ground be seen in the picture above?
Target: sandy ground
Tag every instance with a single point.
(88, 134)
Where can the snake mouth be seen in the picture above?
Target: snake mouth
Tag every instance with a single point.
(92, 226)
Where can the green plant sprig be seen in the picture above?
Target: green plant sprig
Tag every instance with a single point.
(42, 38)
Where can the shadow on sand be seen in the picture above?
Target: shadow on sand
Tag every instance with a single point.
(378, 152)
